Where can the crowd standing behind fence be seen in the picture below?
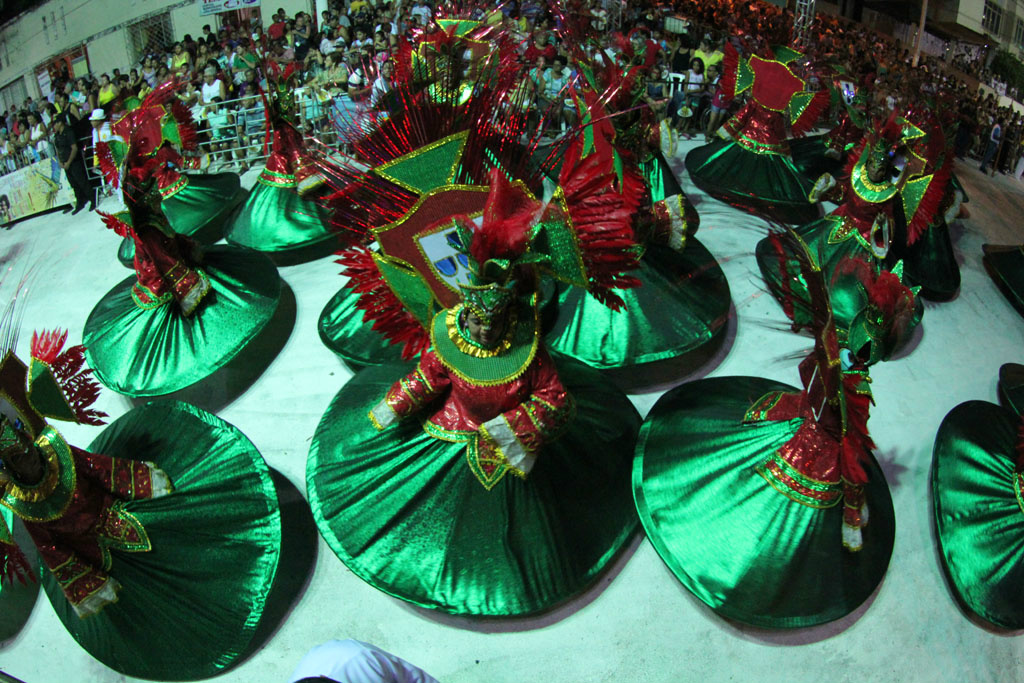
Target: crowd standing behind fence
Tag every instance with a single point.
(340, 60)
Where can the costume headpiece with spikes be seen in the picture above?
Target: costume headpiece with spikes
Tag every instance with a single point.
(497, 247)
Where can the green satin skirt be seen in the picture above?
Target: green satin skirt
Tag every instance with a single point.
(929, 263)
(764, 184)
(746, 550)
(682, 302)
(978, 516)
(404, 512)
(808, 154)
(198, 210)
(1006, 266)
(277, 219)
(16, 599)
(846, 293)
(343, 331)
(189, 607)
(152, 352)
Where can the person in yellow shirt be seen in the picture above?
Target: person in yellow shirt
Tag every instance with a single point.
(108, 91)
(708, 53)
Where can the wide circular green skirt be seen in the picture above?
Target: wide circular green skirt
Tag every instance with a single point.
(404, 512)
(189, 607)
(768, 185)
(742, 547)
(683, 301)
(978, 515)
(277, 219)
(808, 154)
(343, 330)
(1006, 266)
(845, 291)
(199, 210)
(16, 599)
(930, 263)
(141, 352)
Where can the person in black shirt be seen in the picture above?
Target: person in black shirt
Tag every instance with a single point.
(70, 158)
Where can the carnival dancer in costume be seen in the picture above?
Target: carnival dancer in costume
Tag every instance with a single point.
(195, 204)
(186, 312)
(751, 168)
(454, 84)
(126, 572)
(477, 451)
(683, 298)
(978, 493)
(925, 248)
(773, 510)
(887, 169)
(281, 215)
(1005, 264)
(815, 155)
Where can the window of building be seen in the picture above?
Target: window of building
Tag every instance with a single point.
(1018, 34)
(150, 35)
(992, 17)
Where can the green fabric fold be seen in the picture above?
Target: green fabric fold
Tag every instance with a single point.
(152, 352)
(404, 512)
(978, 517)
(683, 301)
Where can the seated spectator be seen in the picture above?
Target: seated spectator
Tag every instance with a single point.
(222, 129)
(539, 47)
(180, 62)
(107, 92)
(327, 45)
(382, 85)
(7, 155)
(421, 12)
(243, 60)
(212, 86)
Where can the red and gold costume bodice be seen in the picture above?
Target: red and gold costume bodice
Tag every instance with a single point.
(778, 99)
(505, 403)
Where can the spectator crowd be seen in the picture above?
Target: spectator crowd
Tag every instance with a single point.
(344, 64)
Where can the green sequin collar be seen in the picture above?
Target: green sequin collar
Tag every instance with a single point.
(59, 483)
(490, 370)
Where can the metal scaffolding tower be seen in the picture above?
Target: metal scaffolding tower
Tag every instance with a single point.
(803, 17)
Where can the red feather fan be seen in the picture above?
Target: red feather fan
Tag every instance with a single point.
(68, 368)
(379, 303)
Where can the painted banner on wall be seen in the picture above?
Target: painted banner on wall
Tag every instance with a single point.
(33, 189)
(216, 6)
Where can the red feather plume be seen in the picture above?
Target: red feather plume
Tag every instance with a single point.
(509, 216)
(379, 303)
(856, 443)
(68, 368)
(13, 565)
(116, 224)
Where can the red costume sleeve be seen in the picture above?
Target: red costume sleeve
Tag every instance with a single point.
(126, 479)
(406, 396)
(520, 432)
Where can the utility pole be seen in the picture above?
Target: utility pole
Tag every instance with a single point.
(920, 31)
